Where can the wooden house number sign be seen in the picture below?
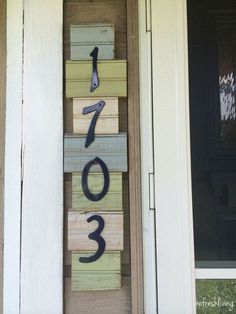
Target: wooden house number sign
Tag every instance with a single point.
(96, 155)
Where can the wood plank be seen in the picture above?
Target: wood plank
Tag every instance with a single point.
(95, 281)
(42, 196)
(109, 261)
(112, 149)
(87, 302)
(136, 227)
(112, 77)
(112, 200)
(107, 122)
(83, 39)
(79, 230)
(104, 274)
(2, 133)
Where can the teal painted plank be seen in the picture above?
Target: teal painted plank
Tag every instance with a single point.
(112, 149)
(83, 39)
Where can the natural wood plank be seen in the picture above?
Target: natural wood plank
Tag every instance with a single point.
(42, 192)
(79, 230)
(101, 302)
(135, 159)
(112, 200)
(112, 149)
(2, 133)
(107, 122)
(112, 78)
(83, 39)
(104, 274)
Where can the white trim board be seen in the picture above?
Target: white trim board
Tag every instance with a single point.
(215, 273)
(147, 163)
(174, 221)
(33, 222)
(42, 195)
(12, 184)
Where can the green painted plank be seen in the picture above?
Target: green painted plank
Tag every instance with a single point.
(112, 149)
(103, 274)
(82, 281)
(83, 39)
(112, 200)
(108, 262)
(112, 77)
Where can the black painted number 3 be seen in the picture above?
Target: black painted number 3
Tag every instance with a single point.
(96, 236)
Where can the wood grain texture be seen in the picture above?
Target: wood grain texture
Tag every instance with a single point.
(112, 149)
(2, 133)
(112, 77)
(112, 200)
(104, 274)
(100, 302)
(103, 302)
(83, 39)
(135, 159)
(107, 122)
(79, 230)
(125, 256)
(42, 191)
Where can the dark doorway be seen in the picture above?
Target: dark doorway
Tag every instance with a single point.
(212, 73)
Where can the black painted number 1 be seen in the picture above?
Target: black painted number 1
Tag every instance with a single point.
(97, 108)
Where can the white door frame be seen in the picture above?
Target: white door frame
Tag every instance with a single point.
(33, 223)
(34, 214)
(163, 30)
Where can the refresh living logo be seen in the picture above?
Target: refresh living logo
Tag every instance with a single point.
(216, 302)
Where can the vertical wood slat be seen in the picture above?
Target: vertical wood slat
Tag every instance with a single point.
(42, 196)
(12, 176)
(134, 159)
(2, 133)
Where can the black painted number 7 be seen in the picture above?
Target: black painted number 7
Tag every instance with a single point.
(97, 108)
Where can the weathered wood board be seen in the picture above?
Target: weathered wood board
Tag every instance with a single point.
(112, 149)
(107, 122)
(112, 77)
(112, 200)
(79, 230)
(83, 39)
(105, 302)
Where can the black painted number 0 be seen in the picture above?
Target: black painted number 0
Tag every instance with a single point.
(95, 197)
(96, 236)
